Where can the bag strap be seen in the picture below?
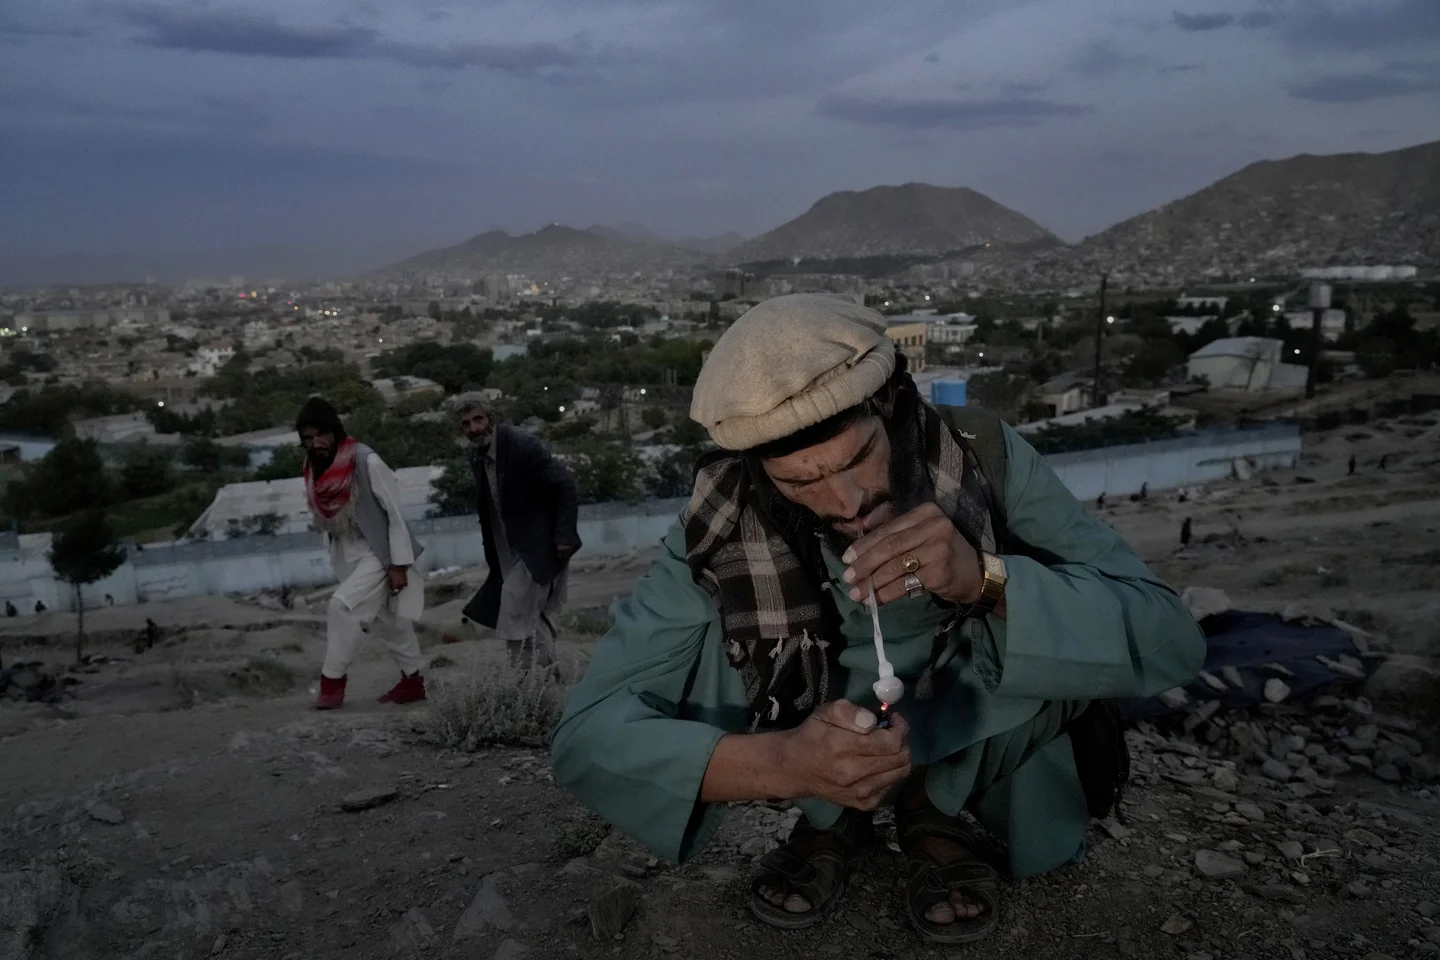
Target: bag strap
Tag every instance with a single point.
(982, 432)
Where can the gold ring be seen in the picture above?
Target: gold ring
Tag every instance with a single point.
(911, 563)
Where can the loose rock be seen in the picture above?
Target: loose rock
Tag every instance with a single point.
(104, 813)
(1217, 866)
(368, 798)
(1276, 770)
(1276, 690)
(1176, 925)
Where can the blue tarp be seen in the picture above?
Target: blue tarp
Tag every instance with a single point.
(1249, 641)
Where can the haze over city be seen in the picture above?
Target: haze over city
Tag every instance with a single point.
(173, 138)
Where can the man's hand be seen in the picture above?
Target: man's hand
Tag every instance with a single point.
(398, 578)
(837, 754)
(949, 566)
(564, 551)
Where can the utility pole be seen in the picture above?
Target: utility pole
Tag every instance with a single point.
(1319, 303)
(1099, 334)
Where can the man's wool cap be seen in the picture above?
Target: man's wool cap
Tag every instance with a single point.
(787, 364)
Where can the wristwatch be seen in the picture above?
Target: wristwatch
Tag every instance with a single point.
(992, 586)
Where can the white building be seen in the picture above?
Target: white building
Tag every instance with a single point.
(1359, 273)
(1332, 322)
(1190, 325)
(1244, 363)
(1201, 303)
(954, 330)
(238, 507)
(208, 360)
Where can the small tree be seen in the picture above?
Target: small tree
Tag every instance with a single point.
(85, 552)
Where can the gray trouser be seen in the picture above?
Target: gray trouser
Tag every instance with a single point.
(527, 617)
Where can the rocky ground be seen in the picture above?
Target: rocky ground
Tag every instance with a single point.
(184, 802)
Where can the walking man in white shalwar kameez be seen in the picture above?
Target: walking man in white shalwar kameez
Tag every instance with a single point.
(355, 500)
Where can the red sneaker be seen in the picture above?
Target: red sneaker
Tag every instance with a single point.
(449, 638)
(410, 689)
(332, 693)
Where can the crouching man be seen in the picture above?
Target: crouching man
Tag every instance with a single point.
(355, 501)
(741, 667)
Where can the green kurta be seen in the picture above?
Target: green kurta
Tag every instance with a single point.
(639, 728)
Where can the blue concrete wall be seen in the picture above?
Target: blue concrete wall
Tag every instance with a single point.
(249, 565)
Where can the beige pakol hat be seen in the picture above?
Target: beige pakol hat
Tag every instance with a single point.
(787, 364)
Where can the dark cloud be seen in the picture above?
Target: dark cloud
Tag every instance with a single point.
(948, 114)
(1181, 68)
(1102, 58)
(244, 34)
(14, 31)
(1369, 25)
(932, 58)
(258, 35)
(1257, 19)
(1200, 22)
(1359, 87)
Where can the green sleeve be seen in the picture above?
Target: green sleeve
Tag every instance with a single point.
(622, 746)
(1085, 618)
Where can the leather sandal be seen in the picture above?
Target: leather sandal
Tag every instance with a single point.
(929, 882)
(814, 864)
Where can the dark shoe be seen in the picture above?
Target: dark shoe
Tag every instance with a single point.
(410, 689)
(815, 865)
(929, 882)
(332, 693)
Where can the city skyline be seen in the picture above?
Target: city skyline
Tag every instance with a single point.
(340, 137)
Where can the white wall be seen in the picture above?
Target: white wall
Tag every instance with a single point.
(249, 565)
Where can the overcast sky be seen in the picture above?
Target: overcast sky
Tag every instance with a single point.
(354, 131)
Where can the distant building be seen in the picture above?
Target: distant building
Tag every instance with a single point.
(504, 351)
(1244, 363)
(1201, 303)
(209, 359)
(120, 428)
(1064, 395)
(238, 507)
(1359, 273)
(909, 335)
(393, 390)
(1332, 322)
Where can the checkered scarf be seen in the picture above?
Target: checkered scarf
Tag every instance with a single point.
(781, 633)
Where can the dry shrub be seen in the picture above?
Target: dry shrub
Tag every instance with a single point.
(494, 703)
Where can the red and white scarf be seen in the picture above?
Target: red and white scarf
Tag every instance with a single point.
(330, 494)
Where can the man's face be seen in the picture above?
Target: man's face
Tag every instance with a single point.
(319, 444)
(477, 426)
(845, 481)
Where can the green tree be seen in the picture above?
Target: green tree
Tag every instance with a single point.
(604, 470)
(458, 367)
(454, 494)
(70, 477)
(85, 552)
(146, 471)
(284, 463)
(653, 417)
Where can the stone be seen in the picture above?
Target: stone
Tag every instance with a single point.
(1358, 889)
(412, 932)
(1275, 770)
(1224, 779)
(610, 911)
(1232, 676)
(368, 799)
(1212, 681)
(510, 950)
(1359, 762)
(1427, 909)
(487, 909)
(1290, 849)
(1250, 811)
(757, 847)
(1176, 925)
(1276, 690)
(1388, 772)
(104, 813)
(1114, 828)
(1216, 866)
(1175, 698)
(1254, 857)
(1278, 893)
(1364, 838)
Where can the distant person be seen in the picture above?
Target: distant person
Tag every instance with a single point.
(1185, 531)
(1100, 502)
(528, 504)
(1144, 491)
(1350, 470)
(355, 501)
(109, 600)
(39, 607)
(10, 610)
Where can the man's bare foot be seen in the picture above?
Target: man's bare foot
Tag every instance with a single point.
(961, 905)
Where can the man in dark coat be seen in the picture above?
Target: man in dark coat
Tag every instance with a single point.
(528, 502)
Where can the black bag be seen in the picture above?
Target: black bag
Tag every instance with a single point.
(1102, 758)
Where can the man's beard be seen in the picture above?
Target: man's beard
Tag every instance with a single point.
(909, 483)
(320, 460)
